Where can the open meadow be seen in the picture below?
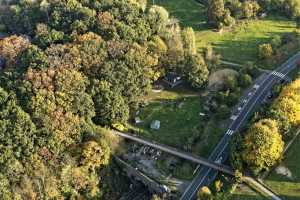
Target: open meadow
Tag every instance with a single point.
(236, 45)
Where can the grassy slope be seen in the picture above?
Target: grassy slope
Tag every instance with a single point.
(178, 124)
(239, 45)
(287, 188)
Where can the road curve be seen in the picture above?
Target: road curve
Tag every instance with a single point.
(255, 98)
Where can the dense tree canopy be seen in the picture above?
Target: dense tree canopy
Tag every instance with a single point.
(72, 65)
(216, 10)
(286, 108)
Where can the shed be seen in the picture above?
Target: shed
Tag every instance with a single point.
(155, 125)
(172, 79)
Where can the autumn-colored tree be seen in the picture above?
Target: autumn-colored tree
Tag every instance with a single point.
(218, 185)
(263, 145)
(286, 108)
(265, 51)
(11, 47)
(204, 194)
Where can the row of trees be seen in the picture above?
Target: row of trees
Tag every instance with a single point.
(262, 145)
(221, 14)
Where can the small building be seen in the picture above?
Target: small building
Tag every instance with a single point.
(155, 125)
(172, 79)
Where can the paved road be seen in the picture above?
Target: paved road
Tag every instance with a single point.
(188, 156)
(255, 97)
(178, 153)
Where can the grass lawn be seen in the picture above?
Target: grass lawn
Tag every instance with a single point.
(188, 12)
(288, 188)
(238, 45)
(243, 192)
(181, 124)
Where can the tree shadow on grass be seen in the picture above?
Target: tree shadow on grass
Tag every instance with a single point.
(242, 50)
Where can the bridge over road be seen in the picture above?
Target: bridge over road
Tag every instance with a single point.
(203, 161)
(178, 153)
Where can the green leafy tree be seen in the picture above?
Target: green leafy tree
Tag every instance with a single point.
(189, 40)
(195, 70)
(245, 80)
(250, 8)
(110, 106)
(265, 51)
(215, 11)
(293, 8)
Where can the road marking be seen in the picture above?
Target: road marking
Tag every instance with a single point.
(288, 65)
(219, 160)
(224, 147)
(233, 117)
(259, 97)
(280, 75)
(229, 132)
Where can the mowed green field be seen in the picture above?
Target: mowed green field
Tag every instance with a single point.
(188, 12)
(243, 192)
(179, 111)
(288, 188)
(237, 45)
(241, 43)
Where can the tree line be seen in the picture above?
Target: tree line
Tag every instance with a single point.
(225, 13)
